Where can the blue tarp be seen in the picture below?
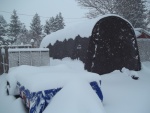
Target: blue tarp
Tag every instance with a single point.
(36, 102)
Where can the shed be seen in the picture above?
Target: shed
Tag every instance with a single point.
(112, 46)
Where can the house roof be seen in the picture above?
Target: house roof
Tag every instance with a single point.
(139, 31)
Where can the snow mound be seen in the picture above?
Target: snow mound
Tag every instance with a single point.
(20, 71)
(75, 97)
(129, 72)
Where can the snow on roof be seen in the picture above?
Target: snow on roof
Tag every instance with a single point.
(84, 29)
(16, 46)
(139, 31)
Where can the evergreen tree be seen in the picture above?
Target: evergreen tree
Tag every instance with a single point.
(36, 29)
(148, 21)
(60, 21)
(14, 26)
(54, 24)
(47, 27)
(23, 37)
(3, 26)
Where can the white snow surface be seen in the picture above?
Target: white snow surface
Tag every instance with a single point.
(84, 29)
(121, 93)
(76, 97)
(129, 72)
(53, 77)
(137, 33)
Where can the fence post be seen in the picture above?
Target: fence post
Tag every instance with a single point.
(6, 60)
(1, 60)
(40, 58)
(19, 59)
(31, 57)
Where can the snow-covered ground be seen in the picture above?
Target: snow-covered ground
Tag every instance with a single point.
(121, 93)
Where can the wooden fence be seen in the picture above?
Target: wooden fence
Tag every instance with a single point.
(23, 56)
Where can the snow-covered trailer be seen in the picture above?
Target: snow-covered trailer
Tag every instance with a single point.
(38, 85)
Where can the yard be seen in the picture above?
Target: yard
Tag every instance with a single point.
(121, 93)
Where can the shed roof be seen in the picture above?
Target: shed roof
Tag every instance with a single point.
(84, 29)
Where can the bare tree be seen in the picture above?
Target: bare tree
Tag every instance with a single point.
(97, 7)
(132, 10)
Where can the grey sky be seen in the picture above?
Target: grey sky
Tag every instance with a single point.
(45, 8)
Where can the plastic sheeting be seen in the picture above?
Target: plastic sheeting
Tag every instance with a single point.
(38, 101)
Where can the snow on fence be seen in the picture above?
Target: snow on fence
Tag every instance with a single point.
(30, 56)
(144, 49)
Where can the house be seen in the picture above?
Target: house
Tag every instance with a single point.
(142, 33)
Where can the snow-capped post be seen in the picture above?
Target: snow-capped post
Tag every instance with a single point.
(6, 59)
(78, 51)
(112, 46)
(22, 43)
(32, 43)
(3, 56)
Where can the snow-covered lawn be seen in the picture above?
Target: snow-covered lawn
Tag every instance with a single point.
(121, 93)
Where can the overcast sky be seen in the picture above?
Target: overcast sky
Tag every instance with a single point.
(70, 10)
(45, 8)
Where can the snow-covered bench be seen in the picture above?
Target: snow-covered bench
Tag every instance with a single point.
(38, 85)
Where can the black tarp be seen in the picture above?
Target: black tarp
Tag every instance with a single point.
(112, 46)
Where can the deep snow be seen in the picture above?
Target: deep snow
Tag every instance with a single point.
(121, 93)
(76, 97)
